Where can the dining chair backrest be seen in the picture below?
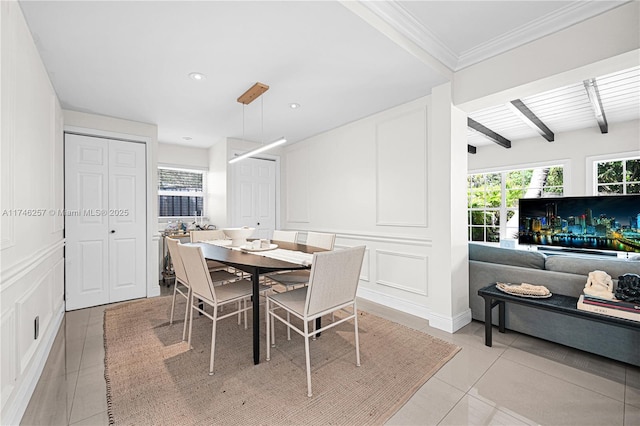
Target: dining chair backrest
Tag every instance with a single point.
(321, 240)
(197, 272)
(208, 235)
(176, 259)
(334, 279)
(288, 236)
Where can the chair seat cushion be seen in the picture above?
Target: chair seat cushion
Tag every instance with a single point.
(292, 300)
(292, 277)
(235, 290)
(219, 276)
(212, 264)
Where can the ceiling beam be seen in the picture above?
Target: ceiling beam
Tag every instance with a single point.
(532, 120)
(471, 149)
(596, 103)
(485, 131)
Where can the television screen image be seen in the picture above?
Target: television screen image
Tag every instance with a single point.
(610, 223)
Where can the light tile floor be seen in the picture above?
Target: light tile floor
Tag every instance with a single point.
(520, 380)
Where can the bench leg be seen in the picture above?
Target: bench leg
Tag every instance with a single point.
(487, 321)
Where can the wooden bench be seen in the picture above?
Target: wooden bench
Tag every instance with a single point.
(558, 303)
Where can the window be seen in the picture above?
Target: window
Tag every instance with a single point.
(493, 199)
(621, 176)
(180, 192)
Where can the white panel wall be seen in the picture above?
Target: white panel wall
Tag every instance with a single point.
(31, 256)
(368, 183)
(401, 172)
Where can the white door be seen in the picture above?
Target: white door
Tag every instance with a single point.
(105, 221)
(255, 196)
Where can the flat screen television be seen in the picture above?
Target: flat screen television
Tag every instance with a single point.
(605, 223)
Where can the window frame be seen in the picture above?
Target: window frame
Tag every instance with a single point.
(503, 209)
(594, 161)
(202, 193)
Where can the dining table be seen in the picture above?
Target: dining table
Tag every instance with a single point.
(256, 264)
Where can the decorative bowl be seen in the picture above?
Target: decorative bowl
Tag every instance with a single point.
(238, 235)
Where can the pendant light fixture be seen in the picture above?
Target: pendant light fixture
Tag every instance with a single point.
(247, 97)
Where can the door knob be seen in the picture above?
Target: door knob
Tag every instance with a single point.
(258, 223)
(113, 231)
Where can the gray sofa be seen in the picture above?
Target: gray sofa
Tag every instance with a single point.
(563, 274)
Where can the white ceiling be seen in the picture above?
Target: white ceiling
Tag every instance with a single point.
(565, 109)
(132, 59)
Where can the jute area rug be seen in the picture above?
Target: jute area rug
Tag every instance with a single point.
(154, 379)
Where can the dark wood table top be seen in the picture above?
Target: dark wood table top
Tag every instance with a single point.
(245, 259)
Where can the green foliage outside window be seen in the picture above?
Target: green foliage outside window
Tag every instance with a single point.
(492, 196)
(619, 176)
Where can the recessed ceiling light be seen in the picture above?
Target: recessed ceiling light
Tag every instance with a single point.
(197, 76)
(294, 106)
(187, 138)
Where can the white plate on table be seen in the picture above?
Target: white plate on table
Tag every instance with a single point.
(250, 248)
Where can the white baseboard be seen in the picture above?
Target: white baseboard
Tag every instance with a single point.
(441, 322)
(450, 324)
(394, 302)
(17, 407)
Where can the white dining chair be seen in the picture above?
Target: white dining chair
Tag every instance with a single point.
(286, 236)
(199, 236)
(299, 278)
(203, 289)
(181, 285)
(332, 287)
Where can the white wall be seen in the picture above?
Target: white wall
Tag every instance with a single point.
(183, 156)
(31, 247)
(374, 182)
(570, 148)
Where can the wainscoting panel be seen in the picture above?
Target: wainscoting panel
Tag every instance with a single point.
(403, 271)
(8, 372)
(34, 304)
(33, 287)
(401, 191)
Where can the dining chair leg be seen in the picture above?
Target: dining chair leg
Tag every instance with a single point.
(355, 324)
(190, 303)
(213, 341)
(186, 314)
(245, 314)
(308, 358)
(173, 301)
(273, 331)
(268, 330)
(288, 328)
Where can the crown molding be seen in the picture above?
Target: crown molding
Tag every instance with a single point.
(550, 23)
(401, 20)
(405, 23)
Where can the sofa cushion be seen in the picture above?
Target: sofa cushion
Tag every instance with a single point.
(522, 258)
(584, 265)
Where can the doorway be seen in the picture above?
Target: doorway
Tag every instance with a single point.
(105, 220)
(254, 200)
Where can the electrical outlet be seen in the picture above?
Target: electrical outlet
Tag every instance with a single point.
(36, 327)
